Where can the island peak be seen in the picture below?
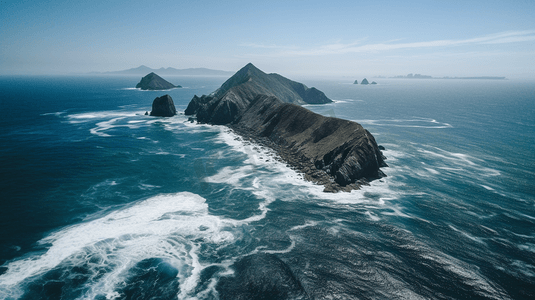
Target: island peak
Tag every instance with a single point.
(154, 82)
(339, 154)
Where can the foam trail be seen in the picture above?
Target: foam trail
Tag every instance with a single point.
(164, 226)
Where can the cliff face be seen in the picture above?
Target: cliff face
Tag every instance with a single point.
(330, 151)
(154, 82)
(337, 153)
(235, 95)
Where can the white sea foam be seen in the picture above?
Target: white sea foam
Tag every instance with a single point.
(372, 216)
(487, 187)
(165, 226)
(84, 117)
(266, 177)
(409, 123)
(57, 114)
(467, 235)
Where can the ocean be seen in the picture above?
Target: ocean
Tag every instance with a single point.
(99, 201)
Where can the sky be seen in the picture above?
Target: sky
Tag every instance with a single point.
(292, 38)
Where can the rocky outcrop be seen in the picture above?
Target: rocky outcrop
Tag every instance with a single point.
(373, 82)
(163, 107)
(154, 82)
(356, 82)
(224, 104)
(339, 154)
(364, 81)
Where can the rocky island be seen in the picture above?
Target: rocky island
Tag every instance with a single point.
(153, 82)
(163, 107)
(336, 153)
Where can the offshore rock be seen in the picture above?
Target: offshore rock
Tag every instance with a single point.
(356, 82)
(364, 81)
(235, 95)
(373, 82)
(153, 82)
(163, 107)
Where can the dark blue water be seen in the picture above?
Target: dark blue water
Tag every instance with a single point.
(99, 201)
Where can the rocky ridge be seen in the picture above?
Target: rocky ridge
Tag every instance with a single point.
(234, 96)
(339, 154)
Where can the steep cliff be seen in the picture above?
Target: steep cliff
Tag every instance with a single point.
(339, 154)
(330, 151)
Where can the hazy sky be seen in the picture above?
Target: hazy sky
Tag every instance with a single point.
(333, 38)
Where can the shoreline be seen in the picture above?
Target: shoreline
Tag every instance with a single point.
(298, 162)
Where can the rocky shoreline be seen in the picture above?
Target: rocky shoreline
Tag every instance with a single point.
(263, 108)
(298, 162)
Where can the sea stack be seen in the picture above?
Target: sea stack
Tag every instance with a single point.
(356, 82)
(364, 81)
(163, 107)
(336, 153)
(153, 82)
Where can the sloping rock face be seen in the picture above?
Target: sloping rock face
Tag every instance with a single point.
(339, 154)
(154, 82)
(163, 107)
(235, 95)
(364, 81)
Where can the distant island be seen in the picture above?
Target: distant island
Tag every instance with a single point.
(336, 153)
(168, 71)
(153, 82)
(364, 81)
(420, 76)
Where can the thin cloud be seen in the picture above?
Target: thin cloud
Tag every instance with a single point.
(264, 46)
(357, 47)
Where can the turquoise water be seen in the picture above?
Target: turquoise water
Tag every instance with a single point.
(99, 201)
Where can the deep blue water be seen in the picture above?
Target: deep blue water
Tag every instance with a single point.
(99, 201)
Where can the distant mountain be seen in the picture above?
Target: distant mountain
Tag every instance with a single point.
(420, 76)
(142, 70)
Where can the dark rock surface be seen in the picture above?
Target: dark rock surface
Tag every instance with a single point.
(364, 81)
(163, 107)
(356, 82)
(373, 82)
(339, 154)
(234, 96)
(154, 82)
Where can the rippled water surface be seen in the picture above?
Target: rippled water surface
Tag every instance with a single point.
(99, 201)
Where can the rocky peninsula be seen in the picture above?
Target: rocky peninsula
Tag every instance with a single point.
(153, 82)
(336, 153)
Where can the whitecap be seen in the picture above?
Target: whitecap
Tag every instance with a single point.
(166, 226)
(408, 123)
